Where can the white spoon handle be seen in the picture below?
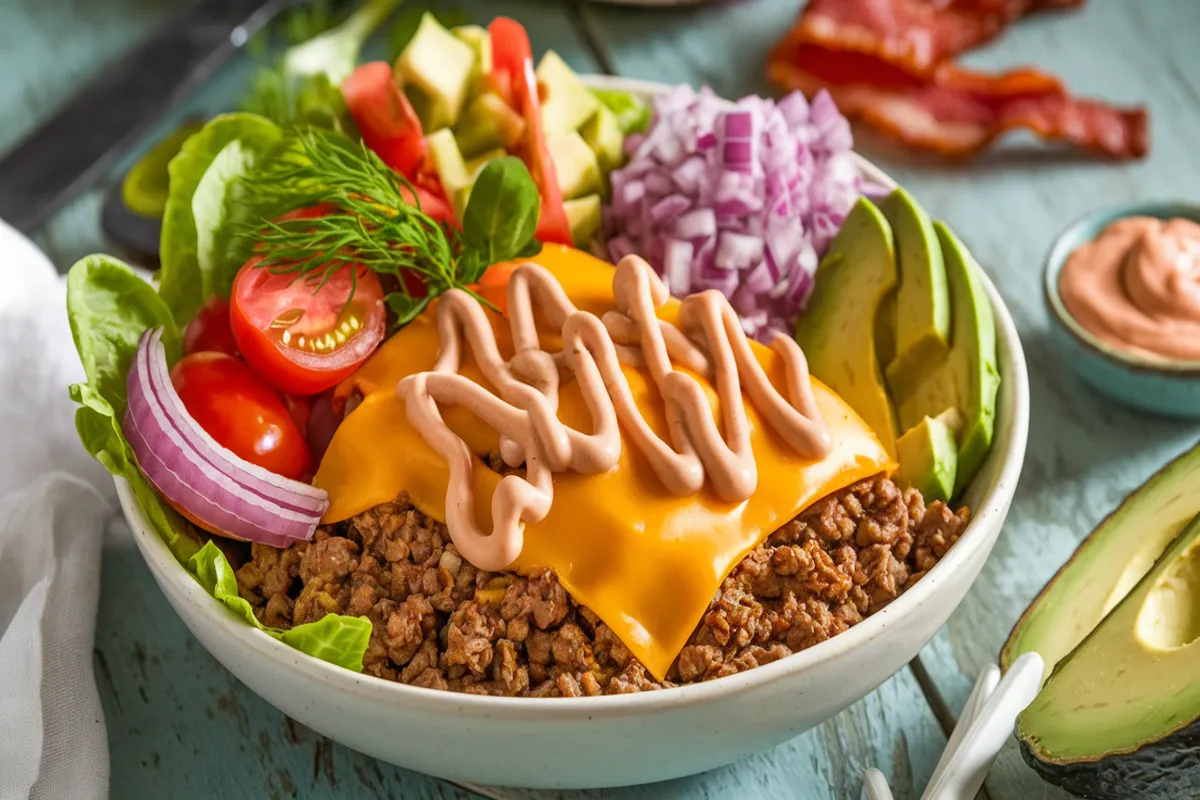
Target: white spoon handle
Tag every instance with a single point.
(875, 786)
(985, 686)
(987, 732)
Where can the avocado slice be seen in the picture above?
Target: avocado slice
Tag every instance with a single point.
(923, 299)
(928, 456)
(1120, 715)
(967, 378)
(583, 215)
(567, 104)
(837, 330)
(488, 123)
(603, 134)
(1108, 563)
(575, 163)
(436, 69)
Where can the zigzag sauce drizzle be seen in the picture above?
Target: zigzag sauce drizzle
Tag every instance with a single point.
(709, 340)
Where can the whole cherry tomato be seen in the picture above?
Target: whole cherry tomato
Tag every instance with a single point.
(209, 330)
(241, 412)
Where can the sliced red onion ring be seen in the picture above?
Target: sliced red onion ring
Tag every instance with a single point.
(201, 477)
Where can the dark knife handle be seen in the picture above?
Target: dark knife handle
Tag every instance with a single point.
(77, 144)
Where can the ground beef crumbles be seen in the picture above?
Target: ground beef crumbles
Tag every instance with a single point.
(438, 622)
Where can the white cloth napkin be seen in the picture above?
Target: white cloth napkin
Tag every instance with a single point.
(54, 505)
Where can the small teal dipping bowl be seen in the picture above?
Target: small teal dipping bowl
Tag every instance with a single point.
(1161, 386)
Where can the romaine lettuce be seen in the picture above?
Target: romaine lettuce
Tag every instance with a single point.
(200, 222)
(110, 306)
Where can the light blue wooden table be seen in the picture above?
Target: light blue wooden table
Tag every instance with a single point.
(180, 726)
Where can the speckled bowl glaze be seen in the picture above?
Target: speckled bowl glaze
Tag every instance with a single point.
(592, 742)
(1159, 386)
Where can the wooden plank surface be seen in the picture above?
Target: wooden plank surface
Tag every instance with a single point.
(198, 733)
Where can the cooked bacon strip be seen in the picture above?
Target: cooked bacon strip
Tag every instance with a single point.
(960, 112)
(889, 63)
(916, 36)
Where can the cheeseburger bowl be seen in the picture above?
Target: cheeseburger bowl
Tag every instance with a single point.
(617, 739)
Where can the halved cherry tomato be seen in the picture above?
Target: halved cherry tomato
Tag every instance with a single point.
(512, 75)
(391, 128)
(209, 330)
(300, 335)
(241, 412)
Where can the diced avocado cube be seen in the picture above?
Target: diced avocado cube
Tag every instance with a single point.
(486, 124)
(459, 198)
(480, 41)
(439, 67)
(449, 161)
(928, 457)
(583, 215)
(575, 163)
(567, 104)
(603, 135)
(476, 165)
(633, 115)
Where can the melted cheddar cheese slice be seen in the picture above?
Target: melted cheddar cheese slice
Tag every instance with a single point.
(647, 562)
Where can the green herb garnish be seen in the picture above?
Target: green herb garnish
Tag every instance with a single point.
(377, 220)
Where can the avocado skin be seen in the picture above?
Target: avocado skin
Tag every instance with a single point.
(1009, 653)
(1166, 769)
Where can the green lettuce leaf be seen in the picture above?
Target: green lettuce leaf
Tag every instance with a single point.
(334, 638)
(198, 227)
(109, 308)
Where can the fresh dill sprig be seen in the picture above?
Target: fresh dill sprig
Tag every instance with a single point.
(374, 218)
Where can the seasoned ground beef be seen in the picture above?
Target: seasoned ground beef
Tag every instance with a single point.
(439, 622)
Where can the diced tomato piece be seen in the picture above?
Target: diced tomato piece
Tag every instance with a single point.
(512, 66)
(391, 128)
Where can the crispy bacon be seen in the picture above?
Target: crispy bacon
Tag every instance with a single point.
(889, 63)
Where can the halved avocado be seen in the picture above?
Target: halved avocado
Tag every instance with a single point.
(1107, 564)
(837, 331)
(1120, 715)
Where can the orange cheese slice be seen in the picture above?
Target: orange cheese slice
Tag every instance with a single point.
(647, 562)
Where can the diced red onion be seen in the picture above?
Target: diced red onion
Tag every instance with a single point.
(678, 261)
(697, 223)
(201, 477)
(619, 247)
(670, 207)
(751, 193)
(658, 184)
(738, 251)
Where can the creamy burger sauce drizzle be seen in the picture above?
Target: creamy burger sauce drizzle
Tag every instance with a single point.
(1136, 287)
(525, 415)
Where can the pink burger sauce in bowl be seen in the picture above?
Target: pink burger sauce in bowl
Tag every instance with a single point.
(1123, 288)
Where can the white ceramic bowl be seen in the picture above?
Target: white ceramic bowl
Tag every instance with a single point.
(621, 739)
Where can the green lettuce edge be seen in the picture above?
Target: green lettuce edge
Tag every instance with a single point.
(109, 308)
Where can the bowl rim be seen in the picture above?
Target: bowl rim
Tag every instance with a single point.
(987, 515)
(1073, 236)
